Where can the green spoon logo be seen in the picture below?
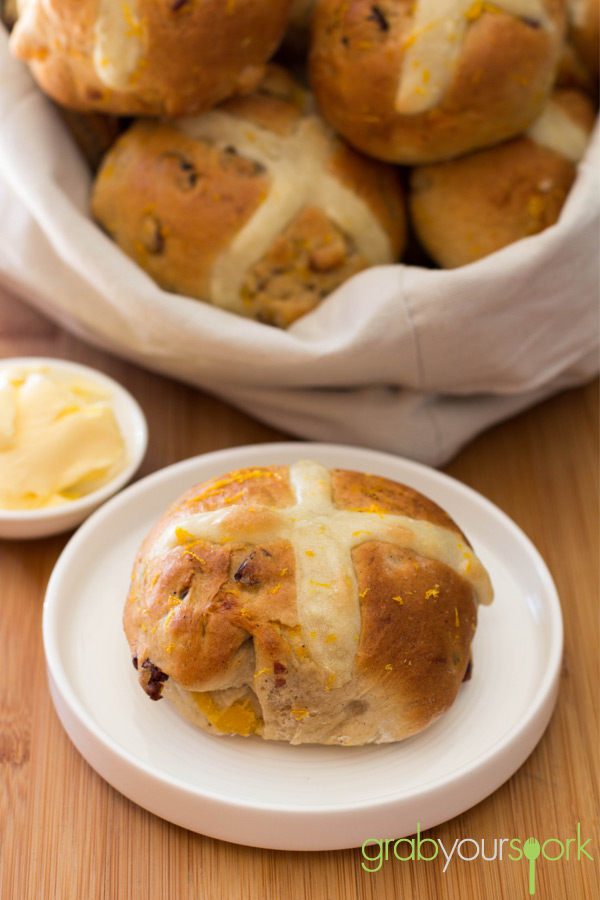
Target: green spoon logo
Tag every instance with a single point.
(531, 850)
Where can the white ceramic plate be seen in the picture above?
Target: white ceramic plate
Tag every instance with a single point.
(267, 794)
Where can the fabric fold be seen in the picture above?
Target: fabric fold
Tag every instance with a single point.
(401, 358)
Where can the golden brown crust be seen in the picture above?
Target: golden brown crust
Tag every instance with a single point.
(373, 493)
(499, 85)
(174, 204)
(210, 615)
(378, 185)
(268, 486)
(223, 626)
(193, 54)
(434, 631)
(277, 103)
(467, 208)
(177, 196)
(265, 486)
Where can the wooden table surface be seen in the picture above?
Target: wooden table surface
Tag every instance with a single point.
(66, 835)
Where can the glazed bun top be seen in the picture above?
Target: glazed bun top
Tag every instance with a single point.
(141, 57)
(435, 40)
(255, 206)
(340, 606)
(425, 81)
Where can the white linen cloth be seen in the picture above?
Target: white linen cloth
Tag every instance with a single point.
(401, 358)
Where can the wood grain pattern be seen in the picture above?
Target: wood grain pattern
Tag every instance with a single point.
(66, 835)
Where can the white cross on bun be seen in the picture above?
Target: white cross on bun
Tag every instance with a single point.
(140, 57)
(415, 81)
(305, 604)
(256, 206)
(467, 208)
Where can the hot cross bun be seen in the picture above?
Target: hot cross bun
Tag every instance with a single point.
(143, 57)
(255, 206)
(306, 605)
(467, 208)
(415, 82)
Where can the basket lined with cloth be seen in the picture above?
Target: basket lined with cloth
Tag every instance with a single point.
(407, 359)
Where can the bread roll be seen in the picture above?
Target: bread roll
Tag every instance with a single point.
(140, 57)
(256, 206)
(306, 605)
(467, 208)
(584, 33)
(415, 82)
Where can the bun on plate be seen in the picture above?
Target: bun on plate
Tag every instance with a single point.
(305, 604)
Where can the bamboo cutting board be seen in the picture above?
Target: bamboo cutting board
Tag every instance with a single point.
(66, 835)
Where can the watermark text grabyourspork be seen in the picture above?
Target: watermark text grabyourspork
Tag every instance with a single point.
(376, 851)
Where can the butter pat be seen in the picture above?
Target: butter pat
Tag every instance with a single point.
(59, 438)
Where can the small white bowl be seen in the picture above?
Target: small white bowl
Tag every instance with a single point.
(35, 523)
